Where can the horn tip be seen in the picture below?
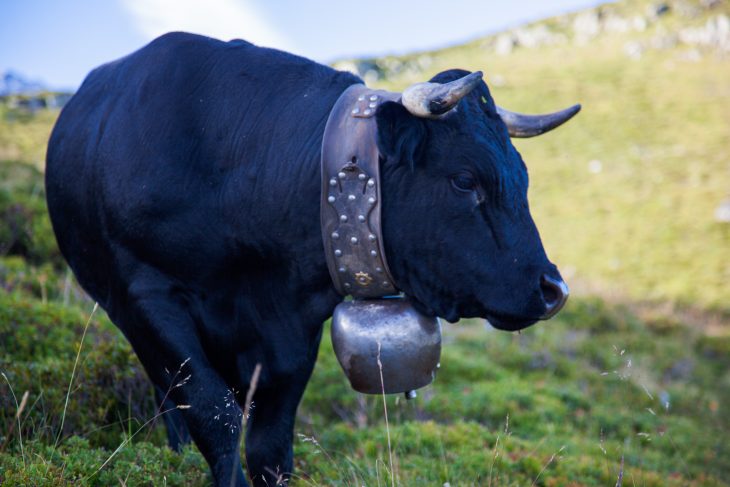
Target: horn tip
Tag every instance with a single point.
(569, 113)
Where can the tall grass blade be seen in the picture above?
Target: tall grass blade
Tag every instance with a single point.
(73, 373)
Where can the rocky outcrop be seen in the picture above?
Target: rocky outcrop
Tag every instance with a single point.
(371, 70)
(697, 25)
(701, 27)
(714, 34)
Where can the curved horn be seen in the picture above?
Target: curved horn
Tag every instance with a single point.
(430, 100)
(520, 125)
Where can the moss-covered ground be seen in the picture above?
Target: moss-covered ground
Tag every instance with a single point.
(563, 403)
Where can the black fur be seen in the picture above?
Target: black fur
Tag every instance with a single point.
(183, 184)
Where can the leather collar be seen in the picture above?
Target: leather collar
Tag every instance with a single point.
(351, 196)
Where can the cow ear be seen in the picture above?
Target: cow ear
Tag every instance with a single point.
(401, 136)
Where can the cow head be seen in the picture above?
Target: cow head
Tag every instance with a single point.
(458, 232)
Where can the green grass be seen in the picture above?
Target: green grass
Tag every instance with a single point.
(595, 385)
(23, 136)
(590, 386)
(636, 368)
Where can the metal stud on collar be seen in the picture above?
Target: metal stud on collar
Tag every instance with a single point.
(354, 199)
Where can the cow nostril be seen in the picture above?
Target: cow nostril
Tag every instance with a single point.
(555, 293)
(549, 294)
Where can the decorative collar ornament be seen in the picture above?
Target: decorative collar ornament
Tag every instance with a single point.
(351, 196)
(384, 345)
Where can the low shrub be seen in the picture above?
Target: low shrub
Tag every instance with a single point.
(110, 392)
(25, 227)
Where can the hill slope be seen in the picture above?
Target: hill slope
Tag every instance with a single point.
(625, 195)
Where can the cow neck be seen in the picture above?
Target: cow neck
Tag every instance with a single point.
(350, 208)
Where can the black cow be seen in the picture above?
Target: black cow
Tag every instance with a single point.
(183, 183)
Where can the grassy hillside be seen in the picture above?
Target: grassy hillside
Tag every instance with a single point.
(561, 404)
(23, 136)
(625, 194)
(630, 381)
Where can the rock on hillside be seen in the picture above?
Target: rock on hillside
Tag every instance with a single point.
(702, 27)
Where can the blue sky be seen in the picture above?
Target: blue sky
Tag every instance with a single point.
(58, 42)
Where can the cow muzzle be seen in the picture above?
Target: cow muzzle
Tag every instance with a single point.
(555, 293)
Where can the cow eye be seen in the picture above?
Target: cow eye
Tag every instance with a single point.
(464, 182)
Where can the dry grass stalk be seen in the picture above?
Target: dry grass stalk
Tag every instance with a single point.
(251, 391)
(247, 411)
(128, 439)
(547, 464)
(18, 411)
(387, 426)
(495, 454)
(620, 480)
(73, 373)
(23, 402)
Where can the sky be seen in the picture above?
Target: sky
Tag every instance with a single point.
(59, 42)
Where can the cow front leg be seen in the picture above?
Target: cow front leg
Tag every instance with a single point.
(269, 434)
(165, 338)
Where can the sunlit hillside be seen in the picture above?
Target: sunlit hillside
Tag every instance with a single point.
(626, 195)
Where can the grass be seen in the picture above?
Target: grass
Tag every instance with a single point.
(595, 385)
(562, 402)
(23, 136)
(630, 381)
